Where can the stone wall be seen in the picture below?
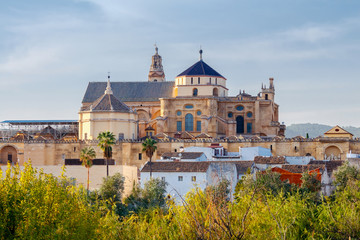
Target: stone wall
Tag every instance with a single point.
(128, 152)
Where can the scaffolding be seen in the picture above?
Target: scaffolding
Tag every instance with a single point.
(30, 128)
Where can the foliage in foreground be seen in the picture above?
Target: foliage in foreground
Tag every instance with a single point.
(36, 205)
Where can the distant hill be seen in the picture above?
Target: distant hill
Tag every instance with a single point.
(315, 130)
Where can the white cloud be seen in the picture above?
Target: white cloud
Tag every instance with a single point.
(312, 34)
(117, 9)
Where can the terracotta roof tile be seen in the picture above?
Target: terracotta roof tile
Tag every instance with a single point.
(269, 160)
(184, 155)
(330, 165)
(302, 168)
(176, 167)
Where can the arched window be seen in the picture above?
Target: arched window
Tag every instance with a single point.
(266, 97)
(189, 122)
(195, 92)
(155, 80)
(215, 92)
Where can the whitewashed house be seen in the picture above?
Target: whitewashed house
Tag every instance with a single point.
(182, 176)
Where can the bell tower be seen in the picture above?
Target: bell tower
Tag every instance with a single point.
(156, 73)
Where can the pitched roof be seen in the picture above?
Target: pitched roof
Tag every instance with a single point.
(203, 135)
(200, 69)
(269, 160)
(130, 91)
(302, 168)
(176, 167)
(184, 135)
(243, 166)
(108, 102)
(184, 155)
(330, 165)
(337, 130)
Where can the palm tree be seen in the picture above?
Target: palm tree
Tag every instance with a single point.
(86, 156)
(149, 147)
(106, 140)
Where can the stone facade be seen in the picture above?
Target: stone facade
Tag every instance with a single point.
(128, 152)
(196, 102)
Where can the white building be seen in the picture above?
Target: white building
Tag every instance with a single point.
(182, 176)
(216, 152)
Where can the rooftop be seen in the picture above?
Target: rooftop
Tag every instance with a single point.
(176, 167)
(184, 155)
(130, 91)
(200, 69)
(108, 102)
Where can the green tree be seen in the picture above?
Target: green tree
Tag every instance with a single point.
(35, 205)
(151, 196)
(344, 174)
(106, 140)
(86, 156)
(149, 147)
(112, 187)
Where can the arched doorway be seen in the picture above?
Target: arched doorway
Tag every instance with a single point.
(8, 154)
(332, 153)
(239, 124)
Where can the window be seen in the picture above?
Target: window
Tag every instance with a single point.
(195, 92)
(215, 92)
(210, 80)
(155, 80)
(163, 179)
(198, 80)
(198, 113)
(249, 127)
(239, 108)
(178, 113)
(192, 81)
(121, 136)
(178, 126)
(140, 156)
(193, 178)
(198, 126)
(189, 106)
(249, 114)
(266, 97)
(189, 122)
(180, 178)
(230, 114)
(215, 81)
(74, 149)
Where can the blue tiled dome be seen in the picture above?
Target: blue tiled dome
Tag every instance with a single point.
(200, 69)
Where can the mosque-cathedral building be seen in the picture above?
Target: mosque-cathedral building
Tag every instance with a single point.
(197, 103)
(193, 110)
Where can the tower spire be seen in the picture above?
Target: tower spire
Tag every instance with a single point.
(156, 73)
(108, 87)
(156, 49)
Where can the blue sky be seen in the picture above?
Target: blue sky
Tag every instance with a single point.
(50, 50)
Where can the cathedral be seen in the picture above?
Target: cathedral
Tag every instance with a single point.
(196, 104)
